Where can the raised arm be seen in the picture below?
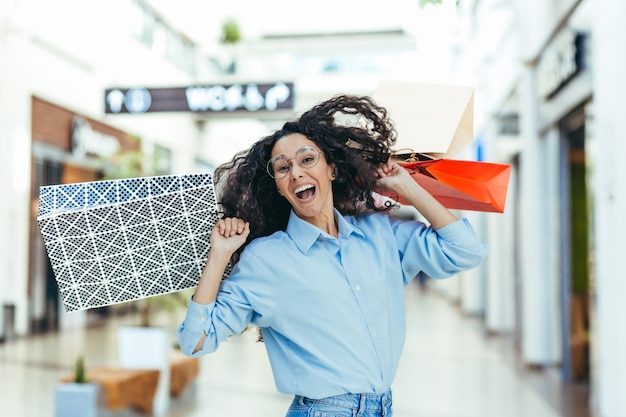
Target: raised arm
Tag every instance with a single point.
(227, 236)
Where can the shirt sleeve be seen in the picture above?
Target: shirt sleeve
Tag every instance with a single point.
(191, 329)
(245, 297)
(438, 253)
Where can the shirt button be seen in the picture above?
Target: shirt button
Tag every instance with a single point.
(202, 318)
(357, 288)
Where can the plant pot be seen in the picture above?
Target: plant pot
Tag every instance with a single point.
(76, 400)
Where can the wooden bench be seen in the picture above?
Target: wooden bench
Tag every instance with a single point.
(123, 388)
(135, 388)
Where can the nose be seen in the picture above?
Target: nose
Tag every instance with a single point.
(295, 171)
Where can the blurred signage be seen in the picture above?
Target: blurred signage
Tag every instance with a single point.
(89, 142)
(560, 62)
(508, 124)
(244, 97)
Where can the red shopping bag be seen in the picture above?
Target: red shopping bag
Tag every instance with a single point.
(434, 123)
(458, 184)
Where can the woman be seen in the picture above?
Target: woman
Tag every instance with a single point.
(319, 265)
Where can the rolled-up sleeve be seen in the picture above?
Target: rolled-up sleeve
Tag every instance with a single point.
(195, 324)
(243, 298)
(439, 253)
(468, 251)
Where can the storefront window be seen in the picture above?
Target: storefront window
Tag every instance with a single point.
(576, 267)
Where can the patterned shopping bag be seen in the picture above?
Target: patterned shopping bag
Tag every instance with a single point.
(114, 241)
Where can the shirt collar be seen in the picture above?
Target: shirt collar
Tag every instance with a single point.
(304, 234)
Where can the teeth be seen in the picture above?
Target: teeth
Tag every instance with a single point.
(303, 188)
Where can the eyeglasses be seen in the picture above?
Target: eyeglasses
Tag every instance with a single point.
(306, 157)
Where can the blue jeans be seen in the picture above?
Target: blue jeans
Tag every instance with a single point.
(345, 405)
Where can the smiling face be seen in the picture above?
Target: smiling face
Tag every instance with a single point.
(308, 190)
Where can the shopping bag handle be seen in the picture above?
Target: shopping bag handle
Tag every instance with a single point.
(408, 155)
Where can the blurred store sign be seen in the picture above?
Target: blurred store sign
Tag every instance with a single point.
(508, 124)
(561, 61)
(87, 141)
(243, 97)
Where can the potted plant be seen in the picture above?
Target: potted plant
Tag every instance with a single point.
(78, 397)
(229, 37)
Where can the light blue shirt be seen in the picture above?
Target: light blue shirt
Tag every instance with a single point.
(331, 311)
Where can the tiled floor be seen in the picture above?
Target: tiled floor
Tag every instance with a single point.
(450, 368)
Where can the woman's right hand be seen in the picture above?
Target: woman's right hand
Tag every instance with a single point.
(229, 234)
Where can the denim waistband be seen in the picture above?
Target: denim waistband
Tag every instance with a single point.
(358, 402)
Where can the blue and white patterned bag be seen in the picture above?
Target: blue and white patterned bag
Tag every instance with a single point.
(114, 241)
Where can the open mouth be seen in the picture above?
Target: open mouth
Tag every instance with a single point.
(305, 192)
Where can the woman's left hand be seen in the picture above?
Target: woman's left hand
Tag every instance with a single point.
(392, 177)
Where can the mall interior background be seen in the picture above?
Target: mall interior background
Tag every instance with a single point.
(548, 79)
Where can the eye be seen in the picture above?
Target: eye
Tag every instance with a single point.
(282, 168)
(307, 156)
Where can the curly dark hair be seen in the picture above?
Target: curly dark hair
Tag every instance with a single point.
(353, 132)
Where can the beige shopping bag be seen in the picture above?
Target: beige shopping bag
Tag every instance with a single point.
(431, 119)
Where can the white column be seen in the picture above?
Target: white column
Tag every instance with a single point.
(536, 277)
(14, 172)
(471, 282)
(500, 297)
(4, 170)
(499, 277)
(609, 192)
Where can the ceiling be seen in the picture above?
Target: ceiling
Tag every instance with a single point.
(201, 20)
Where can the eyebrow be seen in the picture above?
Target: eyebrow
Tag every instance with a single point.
(299, 149)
